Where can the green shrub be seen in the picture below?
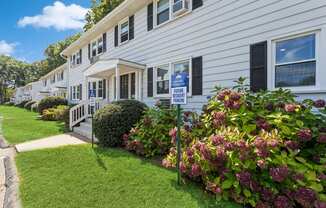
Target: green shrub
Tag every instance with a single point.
(51, 102)
(34, 107)
(262, 149)
(22, 104)
(55, 114)
(28, 105)
(116, 119)
(9, 104)
(150, 136)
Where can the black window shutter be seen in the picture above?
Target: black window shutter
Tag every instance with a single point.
(150, 17)
(71, 93)
(197, 76)
(104, 88)
(81, 56)
(89, 51)
(81, 92)
(196, 4)
(89, 88)
(150, 82)
(131, 27)
(104, 42)
(116, 36)
(258, 66)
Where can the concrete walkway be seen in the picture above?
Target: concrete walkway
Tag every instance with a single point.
(51, 142)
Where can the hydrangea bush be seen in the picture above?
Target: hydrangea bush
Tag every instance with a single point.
(263, 149)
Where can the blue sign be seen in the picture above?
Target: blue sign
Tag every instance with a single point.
(179, 80)
(92, 93)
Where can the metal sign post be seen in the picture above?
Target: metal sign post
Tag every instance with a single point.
(92, 108)
(179, 97)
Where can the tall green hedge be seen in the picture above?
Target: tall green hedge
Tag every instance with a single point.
(116, 119)
(51, 102)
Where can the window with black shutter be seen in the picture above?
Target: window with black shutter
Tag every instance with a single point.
(150, 17)
(81, 56)
(150, 82)
(196, 4)
(116, 36)
(258, 66)
(89, 51)
(197, 76)
(131, 27)
(104, 42)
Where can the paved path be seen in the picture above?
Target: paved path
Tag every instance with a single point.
(50, 142)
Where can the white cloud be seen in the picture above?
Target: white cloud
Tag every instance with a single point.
(58, 16)
(7, 48)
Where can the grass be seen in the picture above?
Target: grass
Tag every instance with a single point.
(20, 125)
(82, 177)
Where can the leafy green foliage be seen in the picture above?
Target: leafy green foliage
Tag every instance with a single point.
(58, 113)
(50, 102)
(150, 136)
(99, 9)
(262, 149)
(116, 119)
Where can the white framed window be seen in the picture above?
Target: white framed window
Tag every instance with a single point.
(163, 73)
(295, 62)
(60, 76)
(97, 46)
(75, 59)
(162, 11)
(94, 48)
(163, 79)
(45, 82)
(124, 31)
(52, 80)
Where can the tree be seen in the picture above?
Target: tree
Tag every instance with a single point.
(99, 9)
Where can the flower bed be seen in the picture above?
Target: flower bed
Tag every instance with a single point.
(263, 149)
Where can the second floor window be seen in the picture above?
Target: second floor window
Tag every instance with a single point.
(100, 45)
(53, 79)
(45, 82)
(163, 11)
(76, 58)
(94, 48)
(97, 47)
(124, 31)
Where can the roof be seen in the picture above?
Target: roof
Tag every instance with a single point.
(126, 8)
(62, 67)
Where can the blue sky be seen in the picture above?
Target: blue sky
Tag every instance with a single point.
(27, 27)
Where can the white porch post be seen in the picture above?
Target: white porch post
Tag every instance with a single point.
(117, 83)
(139, 85)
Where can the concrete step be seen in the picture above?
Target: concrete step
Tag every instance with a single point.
(85, 130)
(86, 125)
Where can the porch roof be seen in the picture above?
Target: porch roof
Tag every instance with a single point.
(107, 67)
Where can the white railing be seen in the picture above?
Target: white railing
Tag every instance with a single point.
(78, 113)
(82, 111)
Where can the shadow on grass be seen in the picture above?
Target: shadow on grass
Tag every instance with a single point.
(195, 190)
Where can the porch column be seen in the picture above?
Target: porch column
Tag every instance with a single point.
(140, 85)
(117, 83)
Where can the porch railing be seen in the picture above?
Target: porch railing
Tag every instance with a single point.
(83, 111)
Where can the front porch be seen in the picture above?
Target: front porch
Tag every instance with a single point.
(111, 80)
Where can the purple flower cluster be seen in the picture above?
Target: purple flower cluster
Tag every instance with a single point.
(293, 145)
(217, 140)
(195, 170)
(322, 139)
(262, 147)
(290, 108)
(183, 167)
(320, 103)
(219, 118)
(305, 135)
(205, 151)
(261, 204)
(279, 174)
(190, 155)
(305, 197)
(282, 202)
(266, 194)
(263, 124)
(213, 188)
(244, 178)
(173, 135)
(230, 98)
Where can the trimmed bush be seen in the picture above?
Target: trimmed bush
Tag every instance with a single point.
(22, 104)
(28, 105)
(263, 149)
(9, 104)
(50, 102)
(116, 119)
(55, 114)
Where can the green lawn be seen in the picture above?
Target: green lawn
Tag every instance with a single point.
(82, 177)
(20, 125)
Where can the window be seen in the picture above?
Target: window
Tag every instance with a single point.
(74, 93)
(45, 82)
(162, 80)
(100, 89)
(60, 76)
(75, 59)
(295, 62)
(100, 45)
(124, 31)
(78, 58)
(182, 68)
(163, 73)
(52, 79)
(94, 48)
(163, 11)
